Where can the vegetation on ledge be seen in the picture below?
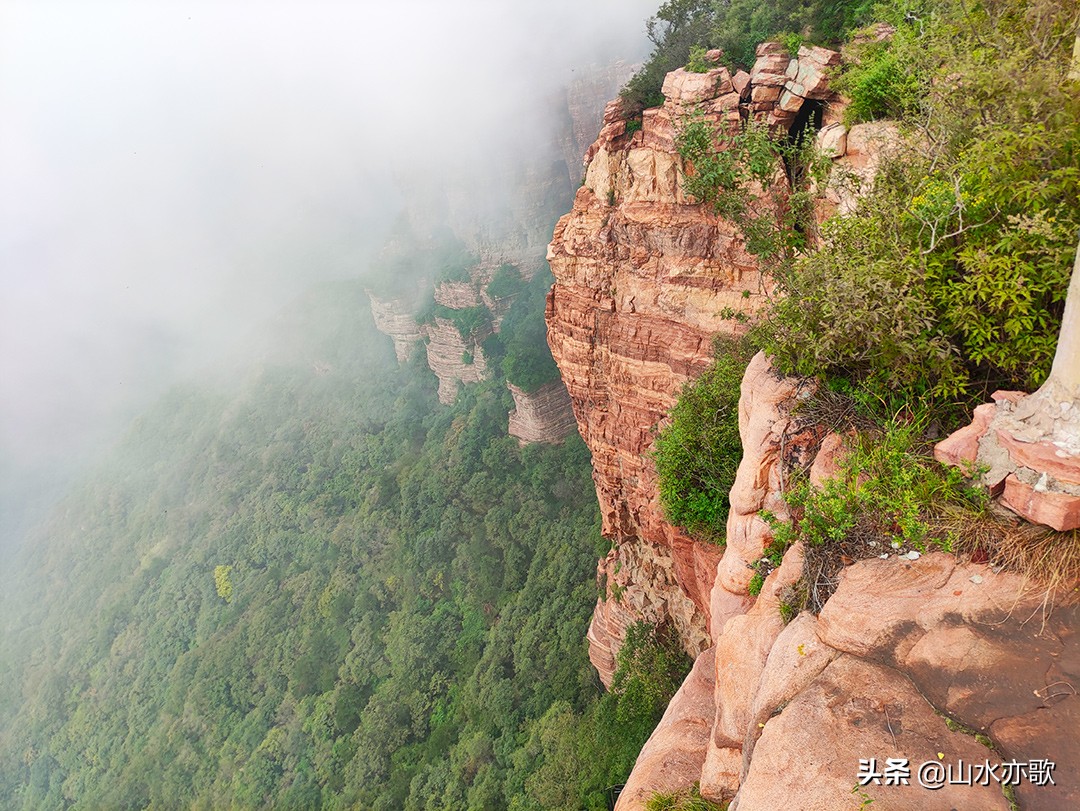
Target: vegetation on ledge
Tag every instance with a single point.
(682, 28)
(697, 454)
(946, 283)
(949, 279)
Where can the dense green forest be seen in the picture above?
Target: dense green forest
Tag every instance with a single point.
(309, 585)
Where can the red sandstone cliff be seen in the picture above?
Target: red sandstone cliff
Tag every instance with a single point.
(644, 279)
(908, 658)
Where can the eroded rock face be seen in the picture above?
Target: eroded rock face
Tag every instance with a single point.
(642, 280)
(637, 299)
(773, 443)
(544, 415)
(645, 279)
(637, 579)
(395, 317)
(1027, 449)
(899, 647)
(453, 359)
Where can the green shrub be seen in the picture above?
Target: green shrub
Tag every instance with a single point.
(950, 277)
(791, 42)
(755, 585)
(686, 800)
(858, 306)
(651, 667)
(889, 490)
(756, 180)
(698, 63)
(506, 281)
(633, 125)
(880, 84)
(698, 453)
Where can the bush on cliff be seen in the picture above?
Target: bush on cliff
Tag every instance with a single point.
(950, 278)
(755, 179)
(889, 497)
(522, 342)
(698, 452)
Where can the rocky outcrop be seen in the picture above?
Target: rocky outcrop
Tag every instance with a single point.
(544, 415)
(452, 358)
(1026, 453)
(637, 579)
(395, 317)
(645, 279)
(923, 659)
(907, 659)
(774, 443)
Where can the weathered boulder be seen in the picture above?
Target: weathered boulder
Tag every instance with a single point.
(808, 756)
(684, 87)
(452, 358)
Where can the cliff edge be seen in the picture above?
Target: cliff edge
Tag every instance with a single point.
(916, 659)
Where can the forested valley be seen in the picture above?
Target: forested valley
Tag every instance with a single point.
(303, 583)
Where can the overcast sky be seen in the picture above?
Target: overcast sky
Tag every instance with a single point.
(170, 172)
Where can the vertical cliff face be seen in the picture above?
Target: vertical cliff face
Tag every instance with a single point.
(908, 658)
(645, 279)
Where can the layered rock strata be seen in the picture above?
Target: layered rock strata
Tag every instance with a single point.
(1026, 454)
(645, 279)
(396, 318)
(544, 415)
(453, 358)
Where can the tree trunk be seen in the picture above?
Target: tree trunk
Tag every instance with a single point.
(1065, 374)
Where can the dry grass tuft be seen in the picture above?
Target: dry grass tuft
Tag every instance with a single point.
(1049, 559)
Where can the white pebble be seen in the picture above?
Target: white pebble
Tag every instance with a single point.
(976, 579)
(913, 555)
